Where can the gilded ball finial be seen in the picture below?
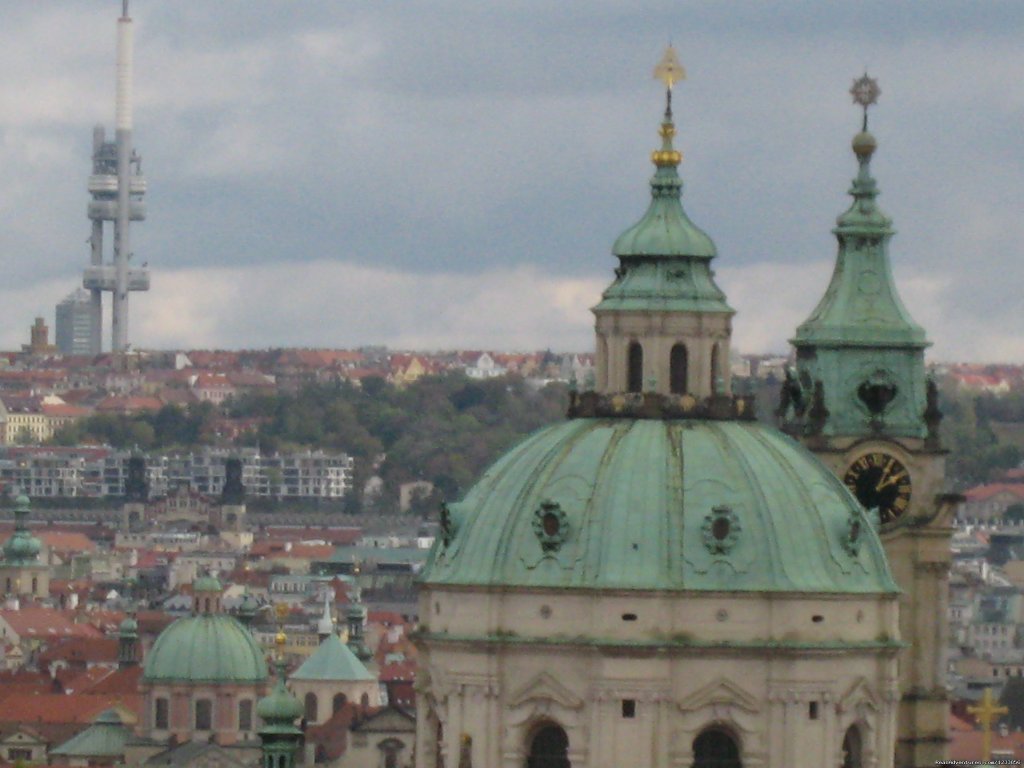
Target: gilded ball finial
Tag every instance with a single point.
(864, 145)
(280, 639)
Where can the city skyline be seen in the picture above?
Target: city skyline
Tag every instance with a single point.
(334, 176)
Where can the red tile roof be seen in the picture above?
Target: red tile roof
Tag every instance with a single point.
(119, 682)
(45, 623)
(62, 708)
(983, 492)
(79, 651)
(67, 541)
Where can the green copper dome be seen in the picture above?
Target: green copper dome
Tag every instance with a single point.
(22, 548)
(207, 583)
(279, 706)
(212, 648)
(664, 258)
(660, 505)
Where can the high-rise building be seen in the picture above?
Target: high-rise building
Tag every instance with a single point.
(116, 188)
(74, 324)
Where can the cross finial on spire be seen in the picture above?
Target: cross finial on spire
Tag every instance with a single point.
(670, 72)
(987, 715)
(865, 91)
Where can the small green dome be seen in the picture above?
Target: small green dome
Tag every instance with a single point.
(207, 584)
(22, 547)
(279, 707)
(664, 230)
(212, 648)
(129, 627)
(249, 606)
(660, 505)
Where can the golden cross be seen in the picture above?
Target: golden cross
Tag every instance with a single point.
(987, 714)
(669, 70)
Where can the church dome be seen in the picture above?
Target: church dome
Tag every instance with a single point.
(210, 648)
(646, 504)
(22, 548)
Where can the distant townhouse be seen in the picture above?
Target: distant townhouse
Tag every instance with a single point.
(485, 367)
(983, 503)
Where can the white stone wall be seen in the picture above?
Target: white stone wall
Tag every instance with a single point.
(497, 666)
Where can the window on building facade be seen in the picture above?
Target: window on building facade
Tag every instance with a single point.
(549, 748)
(635, 367)
(204, 715)
(160, 713)
(716, 372)
(677, 365)
(245, 715)
(714, 748)
(852, 748)
(309, 703)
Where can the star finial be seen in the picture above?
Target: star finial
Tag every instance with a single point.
(865, 91)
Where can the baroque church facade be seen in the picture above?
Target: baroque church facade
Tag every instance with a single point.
(661, 580)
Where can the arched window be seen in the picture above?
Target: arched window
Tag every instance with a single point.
(204, 714)
(714, 748)
(853, 753)
(677, 369)
(549, 748)
(245, 715)
(365, 700)
(338, 702)
(635, 363)
(716, 374)
(35, 585)
(310, 706)
(160, 712)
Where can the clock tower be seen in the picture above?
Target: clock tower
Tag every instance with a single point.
(861, 401)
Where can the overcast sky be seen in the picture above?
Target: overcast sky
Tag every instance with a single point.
(453, 174)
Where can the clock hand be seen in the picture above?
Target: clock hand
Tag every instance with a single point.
(891, 481)
(885, 475)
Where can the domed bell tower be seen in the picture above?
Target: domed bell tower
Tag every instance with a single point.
(663, 326)
(22, 573)
(860, 399)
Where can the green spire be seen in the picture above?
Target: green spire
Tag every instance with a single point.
(279, 710)
(664, 258)
(860, 355)
(128, 635)
(22, 548)
(861, 305)
(355, 618)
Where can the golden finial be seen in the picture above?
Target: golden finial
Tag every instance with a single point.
(280, 639)
(669, 70)
(987, 715)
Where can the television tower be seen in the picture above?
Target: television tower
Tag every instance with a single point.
(117, 187)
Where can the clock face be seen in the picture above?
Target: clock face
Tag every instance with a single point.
(880, 481)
